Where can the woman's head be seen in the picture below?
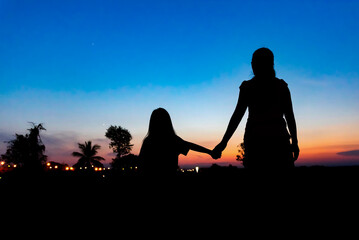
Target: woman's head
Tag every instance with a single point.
(160, 124)
(263, 63)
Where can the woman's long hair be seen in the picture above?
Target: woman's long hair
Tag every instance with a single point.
(160, 126)
(263, 63)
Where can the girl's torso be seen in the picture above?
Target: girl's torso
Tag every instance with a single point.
(160, 156)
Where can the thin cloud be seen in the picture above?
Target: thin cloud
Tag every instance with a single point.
(352, 153)
(5, 137)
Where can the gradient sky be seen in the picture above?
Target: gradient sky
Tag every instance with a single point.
(81, 66)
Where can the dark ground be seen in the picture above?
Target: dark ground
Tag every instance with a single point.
(304, 194)
(311, 176)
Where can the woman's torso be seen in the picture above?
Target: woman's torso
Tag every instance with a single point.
(266, 100)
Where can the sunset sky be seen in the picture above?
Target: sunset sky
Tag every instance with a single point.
(81, 66)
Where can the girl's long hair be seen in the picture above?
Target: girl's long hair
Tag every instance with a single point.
(263, 63)
(160, 127)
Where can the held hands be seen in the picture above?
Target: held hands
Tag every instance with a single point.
(217, 151)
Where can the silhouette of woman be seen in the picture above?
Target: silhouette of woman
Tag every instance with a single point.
(266, 139)
(161, 147)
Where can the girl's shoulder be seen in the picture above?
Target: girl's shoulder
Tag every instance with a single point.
(178, 140)
(149, 142)
(162, 140)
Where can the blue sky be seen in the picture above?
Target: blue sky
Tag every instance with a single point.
(79, 66)
(96, 45)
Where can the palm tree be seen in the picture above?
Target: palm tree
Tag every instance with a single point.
(88, 156)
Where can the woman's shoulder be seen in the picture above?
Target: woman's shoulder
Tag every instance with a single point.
(252, 83)
(282, 86)
(245, 84)
(281, 82)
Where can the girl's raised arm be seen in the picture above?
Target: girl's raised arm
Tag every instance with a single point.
(198, 148)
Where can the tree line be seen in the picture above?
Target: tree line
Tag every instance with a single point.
(28, 151)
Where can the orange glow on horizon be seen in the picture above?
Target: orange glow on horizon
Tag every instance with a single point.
(317, 150)
(309, 155)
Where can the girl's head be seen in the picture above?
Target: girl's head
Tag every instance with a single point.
(263, 63)
(160, 124)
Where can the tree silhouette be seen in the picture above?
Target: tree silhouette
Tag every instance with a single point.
(127, 165)
(241, 153)
(37, 148)
(27, 151)
(88, 158)
(120, 140)
(121, 145)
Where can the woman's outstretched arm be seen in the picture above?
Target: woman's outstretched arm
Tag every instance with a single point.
(232, 126)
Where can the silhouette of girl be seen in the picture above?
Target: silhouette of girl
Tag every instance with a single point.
(161, 147)
(266, 139)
